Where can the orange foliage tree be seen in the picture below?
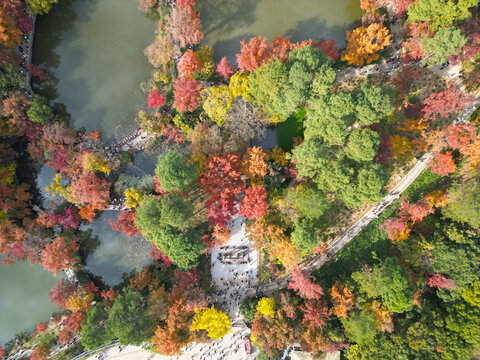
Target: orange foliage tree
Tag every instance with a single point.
(59, 254)
(10, 35)
(90, 190)
(254, 163)
(364, 43)
(443, 164)
(189, 64)
(342, 298)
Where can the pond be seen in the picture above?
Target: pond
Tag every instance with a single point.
(226, 22)
(24, 301)
(94, 51)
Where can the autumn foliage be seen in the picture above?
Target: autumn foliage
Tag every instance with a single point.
(156, 99)
(189, 64)
(364, 43)
(342, 298)
(304, 285)
(187, 94)
(225, 68)
(443, 164)
(125, 223)
(59, 254)
(254, 203)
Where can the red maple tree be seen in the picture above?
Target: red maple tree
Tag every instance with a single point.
(444, 103)
(439, 281)
(69, 219)
(225, 68)
(186, 94)
(304, 285)
(254, 204)
(61, 292)
(460, 136)
(396, 228)
(125, 223)
(41, 327)
(90, 190)
(252, 54)
(156, 99)
(315, 313)
(185, 26)
(221, 207)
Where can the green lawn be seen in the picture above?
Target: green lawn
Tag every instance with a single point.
(289, 129)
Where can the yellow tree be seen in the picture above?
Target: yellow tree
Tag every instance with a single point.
(267, 306)
(215, 322)
(93, 162)
(364, 43)
(132, 198)
(79, 301)
(401, 146)
(286, 253)
(57, 187)
(239, 86)
(217, 100)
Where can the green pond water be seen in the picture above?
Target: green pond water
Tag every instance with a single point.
(226, 22)
(24, 301)
(94, 52)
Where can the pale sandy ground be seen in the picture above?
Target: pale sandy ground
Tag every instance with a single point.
(230, 347)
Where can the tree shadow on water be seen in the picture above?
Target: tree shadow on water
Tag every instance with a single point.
(51, 29)
(88, 244)
(229, 47)
(227, 15)
(314, 28)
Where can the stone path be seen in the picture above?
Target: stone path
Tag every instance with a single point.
(234, 277)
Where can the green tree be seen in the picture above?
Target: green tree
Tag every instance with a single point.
(280, 88)
(464, 203)
(248, 308)
(305, 235)
(446, 42)
(94, 333)
(373, 103)
(10, 80)
(360, 328)
(168, 210)
(327, 171)
(182, 247)
(440, 13)
(176, 171)
(472, 294)
(362, 145)
(368, 187)
(127, 320)
(329, 117)
(39, 110)
(310, 201)
(389, 281)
